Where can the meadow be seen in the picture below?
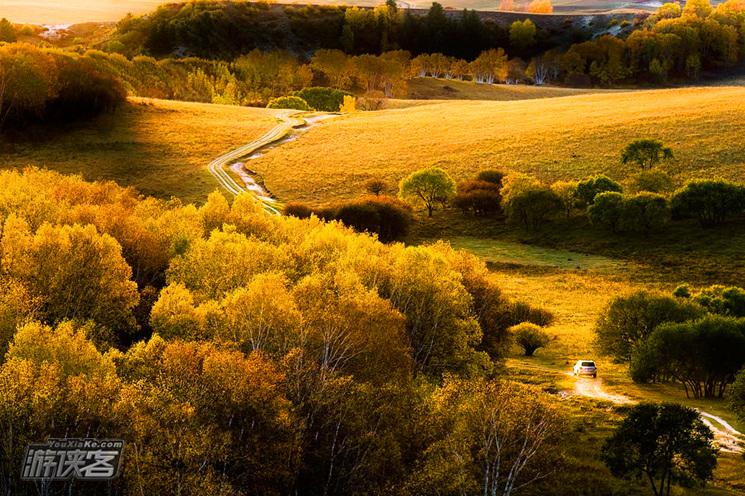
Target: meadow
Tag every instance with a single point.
(558, 138)
(159, 147)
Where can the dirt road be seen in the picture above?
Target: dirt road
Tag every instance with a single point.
(290, 119)
(727, 437)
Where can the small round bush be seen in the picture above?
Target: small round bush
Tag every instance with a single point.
(289, 102)
(491, 176)
(296, 209)
(530, 337)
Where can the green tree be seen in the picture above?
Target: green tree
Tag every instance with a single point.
(653, 181)
(590, 187)
(668, 444)
(522, 34)
(711, 201)
(629, 320)
(530, 337)
(607, 210)
(646, 153)
(644, 212)
(704, 355)
(427, 187)
(532, 206)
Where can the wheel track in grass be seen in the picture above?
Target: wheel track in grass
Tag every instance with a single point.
(290, 120)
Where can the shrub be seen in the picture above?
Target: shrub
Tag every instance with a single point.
(376, 186)
(629, 320)
(711, 201)
(644, 212)
(530, 337)
(722, 300)
(296, 209)
(385, 216)
(481, 197)
(606, 211)
(289, 102)
(653, 181)
(491, 176)
(322, 98)
(589, 188)
(532, 207)
(737, 396)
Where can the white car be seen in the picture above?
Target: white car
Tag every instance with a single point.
(585, 367)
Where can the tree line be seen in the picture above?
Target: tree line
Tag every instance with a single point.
(242, 353)
(673, 43)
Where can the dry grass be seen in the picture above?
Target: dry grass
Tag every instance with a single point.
(556, 138)
(452, 89)
(160, 147)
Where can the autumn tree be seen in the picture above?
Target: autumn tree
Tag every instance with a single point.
(522, 34)
(75, 272)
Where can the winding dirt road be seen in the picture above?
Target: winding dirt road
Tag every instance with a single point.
(290, 119)
(727, 437)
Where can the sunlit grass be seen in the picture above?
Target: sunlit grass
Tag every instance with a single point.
(160, 147)
(553, 138)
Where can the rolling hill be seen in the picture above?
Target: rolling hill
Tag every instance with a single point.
(160, 147)
(553, 138)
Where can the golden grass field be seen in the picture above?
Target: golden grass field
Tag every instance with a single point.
(453, 89)
(556, 138)
(160, 147)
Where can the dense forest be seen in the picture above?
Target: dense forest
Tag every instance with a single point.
(323, 363)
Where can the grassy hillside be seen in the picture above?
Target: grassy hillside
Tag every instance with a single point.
(452, 89)
(160, 147)
(558, 138)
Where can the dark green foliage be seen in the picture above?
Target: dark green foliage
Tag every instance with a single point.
(644, 212)
(589, 188)
(218, 30)
(385, 216)
(737, 395)
(480, 197)
(629, 320)
(533, 206)
(711, 201)
(646, 153)
(322, 99)
(607, 210)
(299, 210)
(724, 300)
(665, 444)
(704, 355)
(288, 102)
(491, 176)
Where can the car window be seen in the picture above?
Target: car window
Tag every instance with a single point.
(588, 364)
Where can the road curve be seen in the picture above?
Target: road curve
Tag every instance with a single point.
(289, 119)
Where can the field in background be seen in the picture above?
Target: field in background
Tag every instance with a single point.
(160, 147)
(451, 89)
(558, 138)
